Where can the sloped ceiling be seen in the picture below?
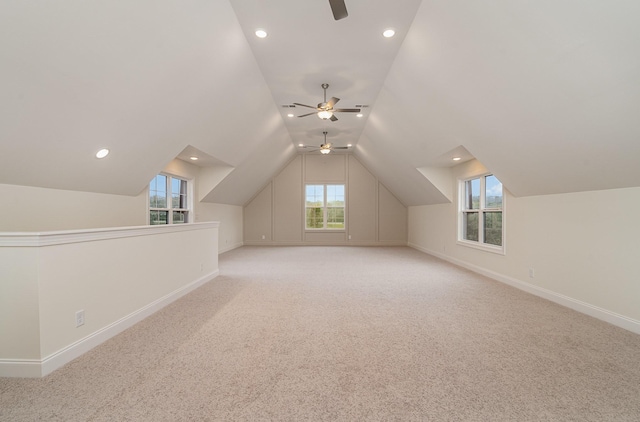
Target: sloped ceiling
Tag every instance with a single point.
(545, 94)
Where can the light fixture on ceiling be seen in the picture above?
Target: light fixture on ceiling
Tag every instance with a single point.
(456, 158)
(325, 150)
(290, 115)
(261, 33)
(349, 145)
(193, 158)
(300, 145)
(325, 114)
(102, 153)
(388, 33)
(359, 115)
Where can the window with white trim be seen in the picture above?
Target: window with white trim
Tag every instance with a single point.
(481, 216)
(324, 207)
(168, 200)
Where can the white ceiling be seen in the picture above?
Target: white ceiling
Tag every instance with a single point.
(545, 94)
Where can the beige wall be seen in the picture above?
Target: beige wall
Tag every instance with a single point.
(117, 276)
(583, 247)
(374, 216)
(32, 209)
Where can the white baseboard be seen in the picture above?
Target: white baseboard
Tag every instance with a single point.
(33, 368)
(569, 302)
(319, 243)
(230, 248)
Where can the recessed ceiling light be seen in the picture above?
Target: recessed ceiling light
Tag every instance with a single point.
(300, 145)
(102, 153)
(261, 33)
(290, 115)
(194, 158)
(388, 33)
(456, 158)
(349, 145)
(359, 115)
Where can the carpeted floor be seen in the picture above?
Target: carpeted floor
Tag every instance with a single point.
(346, 333)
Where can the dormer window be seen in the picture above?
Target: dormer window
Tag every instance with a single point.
(169, 200)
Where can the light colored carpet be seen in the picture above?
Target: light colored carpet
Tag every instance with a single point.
(346, 333)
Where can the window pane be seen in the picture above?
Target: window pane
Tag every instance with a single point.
(472, 194)
(493, 192)
(315, 195)
(493, 228)
(335, 195)
(314, 218)
(183, 194)
(180, 217)
(178, 193)
(158, 192)
(335, 218)
(470, 226)
(158, 217)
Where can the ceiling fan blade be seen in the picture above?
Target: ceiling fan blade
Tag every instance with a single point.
(333, 118)
(308, 114)
(339, 9)
(340, 148)
(347, 110)
(332, 101)
(304, 105)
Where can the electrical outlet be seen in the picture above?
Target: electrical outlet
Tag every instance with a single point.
(349, 237)
(531, 273)
(263, 237)
(79, 318)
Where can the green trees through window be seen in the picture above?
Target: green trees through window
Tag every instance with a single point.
(324, 207)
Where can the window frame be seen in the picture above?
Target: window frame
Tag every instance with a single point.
(188, 211)
(325, 208)
(482, 210)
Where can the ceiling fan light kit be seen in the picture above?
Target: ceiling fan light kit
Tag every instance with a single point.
(326, 147)
(325, 114)
(325, 110)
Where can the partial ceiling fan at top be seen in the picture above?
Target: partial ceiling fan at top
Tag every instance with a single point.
(339, 9)
(325, 109)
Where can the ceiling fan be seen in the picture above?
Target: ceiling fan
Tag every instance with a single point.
(339, 9)
(326, 147)
(325, 109)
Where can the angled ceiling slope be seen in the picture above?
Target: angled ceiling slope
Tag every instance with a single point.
(144, 79)
(544, 94)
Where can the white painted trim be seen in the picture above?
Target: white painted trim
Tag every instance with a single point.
(20, 368)
(569, 302)
(230, 248)
(320, 243)
(31, 239)
(34, 368)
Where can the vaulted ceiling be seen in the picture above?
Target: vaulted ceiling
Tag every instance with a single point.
(545, 94)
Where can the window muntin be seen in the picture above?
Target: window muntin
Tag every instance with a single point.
(324, 207)
(168, 200)
(481, 214)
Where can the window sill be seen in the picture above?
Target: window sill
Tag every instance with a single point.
(325, 230)
(499, 250)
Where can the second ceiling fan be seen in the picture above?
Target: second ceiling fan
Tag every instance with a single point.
(326, 147)
(325, 109)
